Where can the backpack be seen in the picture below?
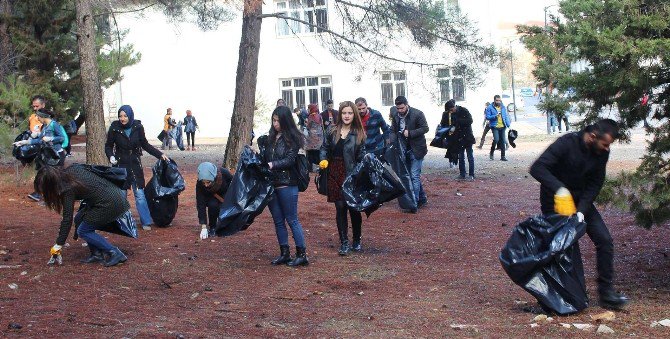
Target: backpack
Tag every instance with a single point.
(302, 172)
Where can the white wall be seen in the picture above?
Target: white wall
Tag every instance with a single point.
(185, 68)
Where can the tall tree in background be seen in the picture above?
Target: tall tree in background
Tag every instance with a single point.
(90, 83)
(624, 46)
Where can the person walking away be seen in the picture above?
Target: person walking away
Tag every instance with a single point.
(190, 126)
(462, 122)
(105, 203)
(376, 129)
(343, 148)
(314, 127)
(486, 126)
(210, 189)
(281, 151)
(571, 172)
(498, 119)
(124, 145)
(329, 116)
(409, 126)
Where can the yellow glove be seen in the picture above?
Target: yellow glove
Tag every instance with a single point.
(563, 202)
(55, 250)
(323, 164)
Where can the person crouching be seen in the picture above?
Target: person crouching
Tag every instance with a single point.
(209, 192)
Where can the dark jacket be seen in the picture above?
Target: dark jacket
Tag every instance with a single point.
(461, 119)
(105, 202)
(353, 153)
(203, 196)
(128, 150)
(569, 163)
(283, 158)
(325, 118)
(415, 123)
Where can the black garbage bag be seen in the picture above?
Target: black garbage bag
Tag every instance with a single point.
(123, 225)
(542, 256)
(248, 194)
(116, 175)
(441, 140)
(370, 185)
(396, 157)
(162, 192)
(178, 136)
(26, 153)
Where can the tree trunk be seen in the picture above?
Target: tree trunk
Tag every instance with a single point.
(6, 49)
(245, 89)
(90, 82)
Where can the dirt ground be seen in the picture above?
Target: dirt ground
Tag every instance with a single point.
(431, 274)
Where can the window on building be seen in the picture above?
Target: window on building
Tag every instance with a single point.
(299, 92)
(452, 85)
(393, 84)
(313, 11)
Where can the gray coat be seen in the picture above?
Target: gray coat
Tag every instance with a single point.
(416, 124)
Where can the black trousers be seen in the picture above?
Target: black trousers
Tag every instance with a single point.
(190, 138)
(341, 209)
(213, 209)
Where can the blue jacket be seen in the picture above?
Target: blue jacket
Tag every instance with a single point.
(492, 116)
(52, 130)
(375, 139)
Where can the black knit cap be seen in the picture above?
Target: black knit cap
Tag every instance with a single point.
(449, 104)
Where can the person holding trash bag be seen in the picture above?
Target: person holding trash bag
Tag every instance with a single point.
(105, 203)
(571, 172)
(281, 152)
(209, 192)
(125, 141)
(343, 148)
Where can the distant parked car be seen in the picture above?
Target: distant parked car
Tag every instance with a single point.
(526, 92)
(507, 99)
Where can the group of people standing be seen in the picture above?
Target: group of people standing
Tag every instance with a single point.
(190, 127)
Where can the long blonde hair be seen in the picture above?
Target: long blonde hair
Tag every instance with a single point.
(356, 124)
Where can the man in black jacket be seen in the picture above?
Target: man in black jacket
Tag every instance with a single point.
(461, 120)
(409, 127)
(573, 167)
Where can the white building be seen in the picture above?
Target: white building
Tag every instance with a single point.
(196, 70)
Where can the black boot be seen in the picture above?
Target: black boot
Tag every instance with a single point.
(284, 256)
(344, 247)
(115, 257)
(300, 257)
(611, 299)
(96, 256)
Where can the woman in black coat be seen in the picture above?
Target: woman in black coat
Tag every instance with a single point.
(125, 142)
(343, 148)
(105, 203)
(210, 189)
(280, 153)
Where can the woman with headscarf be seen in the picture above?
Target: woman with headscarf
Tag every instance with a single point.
(125, 142)
(314, 135)
(210, 189)
(281, 152)
(190, 125)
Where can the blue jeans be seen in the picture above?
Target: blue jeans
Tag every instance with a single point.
(284, 208)
(142, 206)
(498, 140)
(415, 173)
(471, 161)
(94, 240)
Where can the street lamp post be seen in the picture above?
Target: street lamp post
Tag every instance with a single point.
(511, 50)
(546, 88)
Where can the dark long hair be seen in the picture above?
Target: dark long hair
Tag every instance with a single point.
(356, 124)
(289, 130)
(52, 182)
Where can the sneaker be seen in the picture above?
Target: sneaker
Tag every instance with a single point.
(460, 178)
(471, 178)
(421, 203)
(503, 159)
(35, 196)
(146, 227)
(491, 156)
(68, 155)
